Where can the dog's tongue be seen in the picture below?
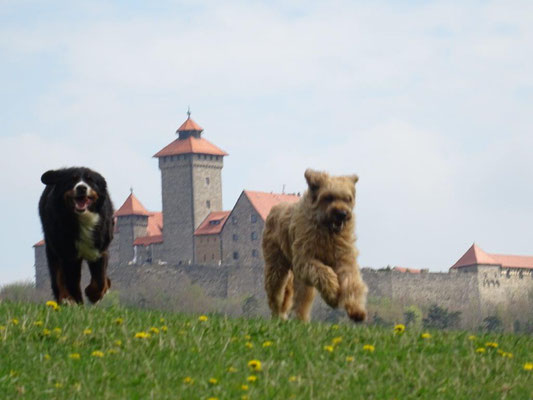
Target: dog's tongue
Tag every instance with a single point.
(81, 203)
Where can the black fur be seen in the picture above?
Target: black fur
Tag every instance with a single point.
(62, 210)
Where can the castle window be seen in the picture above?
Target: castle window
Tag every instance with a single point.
(235, 237)
(204, 257)
(255, 253)
(253, 218)
(208, 203)
(235, 255)
(207, 181)
(254, 235)
(212, 256)
(234, 220)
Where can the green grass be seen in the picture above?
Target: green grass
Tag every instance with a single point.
(35, 364)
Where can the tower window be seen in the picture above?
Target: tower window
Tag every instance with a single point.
(254, 235)
(253, 218)
(208, 203)
(255, 253)
(234, 220)
(207, 181)
(235, 255)
(235, 237)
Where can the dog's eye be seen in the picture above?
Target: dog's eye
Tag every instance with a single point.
(75, 178)
(329, 198)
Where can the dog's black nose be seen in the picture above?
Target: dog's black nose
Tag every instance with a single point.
(81, 190)
(340, 215)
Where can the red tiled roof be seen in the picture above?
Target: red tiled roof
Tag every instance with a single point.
(132, 206)
(146, 240)
(155, 224)
(39, 243)
(475, 255)
(263, 202)
(407, 270)
(190, 145)
(189, 125)
(213, 223)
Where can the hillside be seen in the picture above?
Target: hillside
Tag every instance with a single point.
(117, 353)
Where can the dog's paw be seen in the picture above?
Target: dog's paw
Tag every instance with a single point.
(357, 315)
(94, 293)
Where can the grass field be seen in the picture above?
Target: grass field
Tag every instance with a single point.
(117, 353)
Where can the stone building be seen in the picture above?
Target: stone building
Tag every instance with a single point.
(207, 240)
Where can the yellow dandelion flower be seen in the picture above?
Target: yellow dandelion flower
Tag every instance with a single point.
(493, 345)
(335, 341)
(481, 350)
(162, 320)
(46, 332)
(97, 353)
(14, 321)
(350, 359)
(249, 345)
(57, 331)
(472, 337)
(244, 397)
(87, 331)
(247, 337)
(507, 355)
(213, 381)
(46, 356)
(369, 348)
(164, 328)
(142, 335)
(528, 366)
(113, 351)
(268, 343)
(244, 387)
(252, 378)
(58, 385)
(202, 318)
(13, 373)
(2, 328)
(117, 343)
(188, 380)
(425, 335)
(328, 348)
(334, 326)
(154, 330)
(213, 398)
(51, 304)
(75, 356)
(399, 328)
(119, 321)
(255, 365)
(38, 323)
(293, 378)
(232, 369)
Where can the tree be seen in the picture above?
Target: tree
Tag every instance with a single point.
(441, 318)
(492, 324)
(413, 317)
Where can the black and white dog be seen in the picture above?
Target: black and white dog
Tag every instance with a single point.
(77, 217)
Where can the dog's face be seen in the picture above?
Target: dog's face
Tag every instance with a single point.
(82, 189)
(332, 197)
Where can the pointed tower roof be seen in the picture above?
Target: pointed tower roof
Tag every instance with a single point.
(473, 256)
(190, 141)
(132, 206)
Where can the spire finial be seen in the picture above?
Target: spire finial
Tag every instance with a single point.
(188, 112)
(131, 189)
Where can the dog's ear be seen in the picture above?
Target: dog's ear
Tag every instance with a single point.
(354, 178)
(314, 179)
(51, 177)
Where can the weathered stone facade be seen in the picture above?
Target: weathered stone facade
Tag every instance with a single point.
(208, 249)
(242, 234)
(130, 227)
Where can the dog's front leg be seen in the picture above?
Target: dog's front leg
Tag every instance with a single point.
(100, 283)
(352, 292)
(322, 277)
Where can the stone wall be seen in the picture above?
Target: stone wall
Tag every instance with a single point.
(208, 249)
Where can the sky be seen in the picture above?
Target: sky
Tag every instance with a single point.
(429, 102)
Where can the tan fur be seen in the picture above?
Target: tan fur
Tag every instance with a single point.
(307, 248)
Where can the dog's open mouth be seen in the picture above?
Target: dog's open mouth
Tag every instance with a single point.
(336, 226)
(82, 203)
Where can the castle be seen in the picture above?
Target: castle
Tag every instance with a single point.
(221, 250)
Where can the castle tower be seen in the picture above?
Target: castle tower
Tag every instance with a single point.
(191, 184)
(132, 221)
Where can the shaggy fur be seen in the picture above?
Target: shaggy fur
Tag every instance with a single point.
(77, 217)
(309, 245)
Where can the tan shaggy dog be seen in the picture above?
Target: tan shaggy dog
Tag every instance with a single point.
(309, 245)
